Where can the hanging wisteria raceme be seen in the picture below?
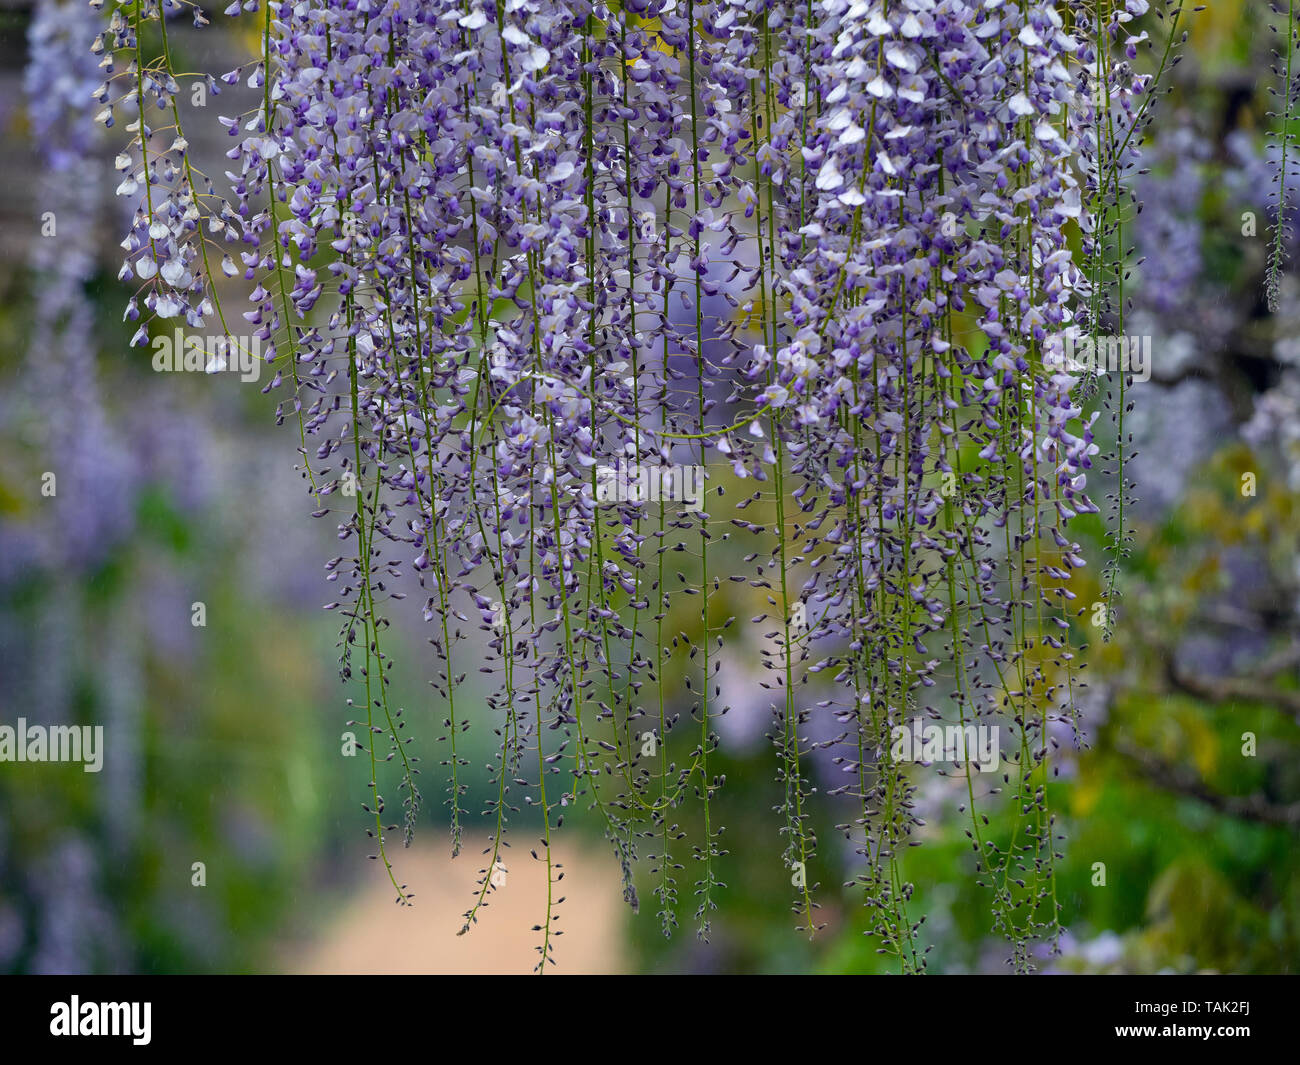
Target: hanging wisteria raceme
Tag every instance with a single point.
(90, 497)
(572, 304)
(1116, 107)
(1282, 140)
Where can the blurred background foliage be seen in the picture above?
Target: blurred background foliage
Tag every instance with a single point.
(227, 737)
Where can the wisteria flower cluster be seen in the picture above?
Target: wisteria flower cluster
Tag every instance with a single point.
(820, 252)
(92, 510)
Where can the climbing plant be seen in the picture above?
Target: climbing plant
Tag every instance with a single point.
(571, 306)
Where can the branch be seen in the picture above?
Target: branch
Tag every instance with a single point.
(1186, 782)
(1232, 689)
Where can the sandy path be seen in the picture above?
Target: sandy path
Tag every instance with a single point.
(370, 934)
